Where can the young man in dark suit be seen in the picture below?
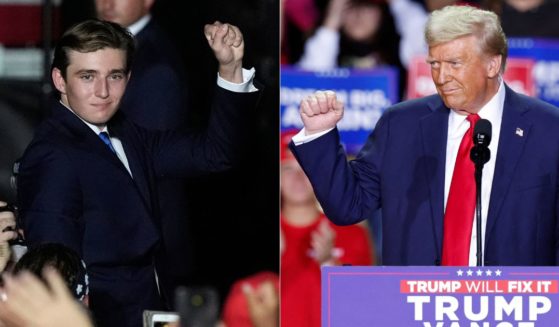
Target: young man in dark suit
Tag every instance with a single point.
(88, 178)
(416, 164)
(157, 97)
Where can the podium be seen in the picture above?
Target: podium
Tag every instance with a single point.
(440, 296)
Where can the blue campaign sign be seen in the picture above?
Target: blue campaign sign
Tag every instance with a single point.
(545, 52)
(365, 94)
(440, 296)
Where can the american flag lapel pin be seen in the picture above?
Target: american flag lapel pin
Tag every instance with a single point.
(519, 132)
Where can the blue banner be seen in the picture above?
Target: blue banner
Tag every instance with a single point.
(545, 52)
(365, 94)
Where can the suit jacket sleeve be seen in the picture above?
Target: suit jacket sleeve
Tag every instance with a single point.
(216, 149)
(348, 191)
(159, 105)
(47, 179)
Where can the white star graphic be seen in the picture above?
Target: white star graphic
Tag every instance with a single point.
(497, 272)
(479, 272)
(488, 272)
(469, 272)
(460, 272)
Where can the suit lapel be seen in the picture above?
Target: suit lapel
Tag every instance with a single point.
(434, 129)
(511, 145)
(84, 137)
(87, 140)
(136, 160)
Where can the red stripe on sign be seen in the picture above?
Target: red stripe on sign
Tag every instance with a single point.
(478, 286)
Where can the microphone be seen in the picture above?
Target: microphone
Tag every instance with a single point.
(480, 153)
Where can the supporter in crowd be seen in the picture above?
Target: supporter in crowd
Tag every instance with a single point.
(297, 18)
(253, 302)
(354, 33)
(156, 97)
(7, 233)
(527, 18)
(27, 301)
(309, 240)
(65, 260)
(410, 18)
(87, 179)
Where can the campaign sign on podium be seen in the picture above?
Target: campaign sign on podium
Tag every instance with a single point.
(365, 94)
(440, 296)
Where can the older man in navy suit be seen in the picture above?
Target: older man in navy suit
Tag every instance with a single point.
(88, 178)
(156, 96)
(416, 164)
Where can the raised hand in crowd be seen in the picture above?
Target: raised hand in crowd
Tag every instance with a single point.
(7, 223)
(322, 243)
(28, 302)
(228, 46)
(321, 111)
(263, 304)
(7, 233)
(335, 14)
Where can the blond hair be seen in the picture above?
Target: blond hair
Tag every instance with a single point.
(453, 22)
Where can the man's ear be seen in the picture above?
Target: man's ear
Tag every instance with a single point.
(494, 66)
(58, 80)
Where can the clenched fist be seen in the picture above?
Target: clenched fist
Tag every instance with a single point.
(321, 111)
(228, 45)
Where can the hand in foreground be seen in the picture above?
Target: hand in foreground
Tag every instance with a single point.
(228, 45)
(7, 232)
(28, 302)
(263, 304)
(7, 224)
(320, 111)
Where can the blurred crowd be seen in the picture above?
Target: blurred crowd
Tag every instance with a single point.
(49, 286)
(325, 34)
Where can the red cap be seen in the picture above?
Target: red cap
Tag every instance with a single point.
(285, 139)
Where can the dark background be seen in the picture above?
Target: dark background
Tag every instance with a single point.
(234, 220)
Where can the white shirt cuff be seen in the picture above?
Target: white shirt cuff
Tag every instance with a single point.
(301, 138)
(246, 86)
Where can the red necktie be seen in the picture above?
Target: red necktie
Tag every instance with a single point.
(461, 204)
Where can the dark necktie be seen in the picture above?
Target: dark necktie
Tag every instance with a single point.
(461, 204)
(105, 138)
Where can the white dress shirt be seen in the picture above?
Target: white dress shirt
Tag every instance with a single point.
(457, 127)
(137, 26)
(117, 144)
